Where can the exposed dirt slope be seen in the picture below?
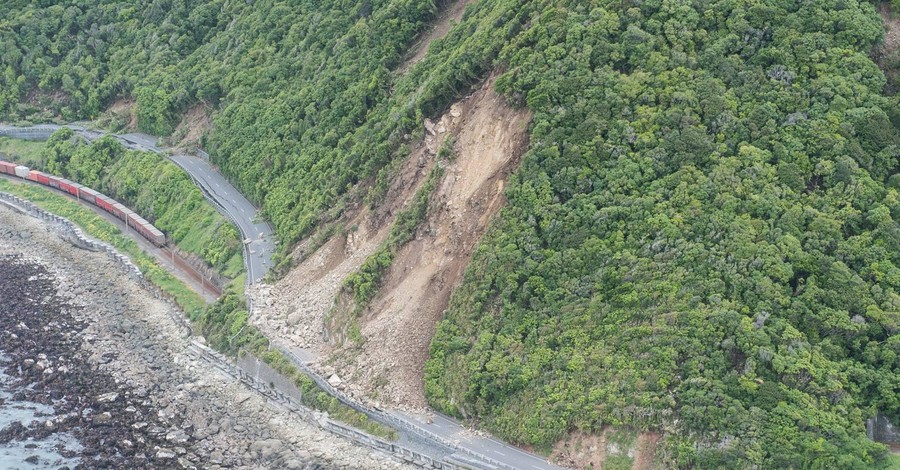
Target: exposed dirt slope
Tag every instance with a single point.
(195, 122)
(120, 116)
(294, 309)
(398, 326)
(611, 448)
(887, 54)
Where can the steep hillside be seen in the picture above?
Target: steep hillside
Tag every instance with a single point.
(463, 163)
(701, 240)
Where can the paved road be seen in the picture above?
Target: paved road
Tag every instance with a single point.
(258, 236)
(480, 443)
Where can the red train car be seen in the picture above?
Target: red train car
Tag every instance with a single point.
(132, 220)
(105, 203)
(119, 210)
(39, 177)
(7, 168)
(68, 186)
(89, 195)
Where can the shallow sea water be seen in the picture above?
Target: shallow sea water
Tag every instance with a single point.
(13, 455)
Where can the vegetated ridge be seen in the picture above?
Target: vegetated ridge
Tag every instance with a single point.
(702, 239)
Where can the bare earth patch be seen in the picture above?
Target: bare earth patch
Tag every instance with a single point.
(398, 326)
(121, 115)
(887, 54)
(590, 451)
(581, 450)
(194, 124)
(646, 450)
(294, 309)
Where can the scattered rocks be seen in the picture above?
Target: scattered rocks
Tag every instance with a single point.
(112, 362)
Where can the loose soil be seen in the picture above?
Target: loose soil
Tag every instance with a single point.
(121, 115)
(194, 124)
(397, 327)
(490, 138)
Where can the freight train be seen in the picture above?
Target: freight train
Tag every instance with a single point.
(132, 220)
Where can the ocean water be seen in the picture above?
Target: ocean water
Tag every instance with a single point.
(31, 454)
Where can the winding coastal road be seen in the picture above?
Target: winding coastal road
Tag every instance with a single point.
(259, 239)
(446, 438)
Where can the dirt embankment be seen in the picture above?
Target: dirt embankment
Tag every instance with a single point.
(294, 309)
(397, 327)
(611, 448)
(887, 54)
(196, 122)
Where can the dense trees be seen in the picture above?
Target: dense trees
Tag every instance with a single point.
(703, 238)
(700, 238)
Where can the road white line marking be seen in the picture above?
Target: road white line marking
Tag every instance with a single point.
(498, 452)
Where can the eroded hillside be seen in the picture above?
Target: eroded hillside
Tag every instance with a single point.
(483, 139)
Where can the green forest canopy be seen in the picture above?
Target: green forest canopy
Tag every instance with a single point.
(703, 238)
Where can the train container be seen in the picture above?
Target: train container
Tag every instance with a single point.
(126, 216)
(136, 221)
(77, 187)
(7, 168)
(156, 237)
(53, 181)
(68, 187)
(89, 195)
(38, 177)
(22, 171)
(119, 210)
(105, 203)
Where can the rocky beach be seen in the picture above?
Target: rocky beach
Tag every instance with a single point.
(96, 374)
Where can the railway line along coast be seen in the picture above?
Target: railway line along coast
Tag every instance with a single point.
(428, 439)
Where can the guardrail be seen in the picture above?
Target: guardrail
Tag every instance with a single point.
(223, 364)
(387, 418)
(380, 416)
(218, 360)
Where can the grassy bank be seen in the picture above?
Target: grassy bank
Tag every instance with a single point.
(23, 152)
(101, 229)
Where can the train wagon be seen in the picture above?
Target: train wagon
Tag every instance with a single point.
(126, 216)
(105, 203)
(155, 235)
(89, 195)
(118, 210)
(7, 168)
(131, 219)
(38, 177)
(68, 186)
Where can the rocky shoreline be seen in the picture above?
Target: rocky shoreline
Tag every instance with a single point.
(82, 337)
